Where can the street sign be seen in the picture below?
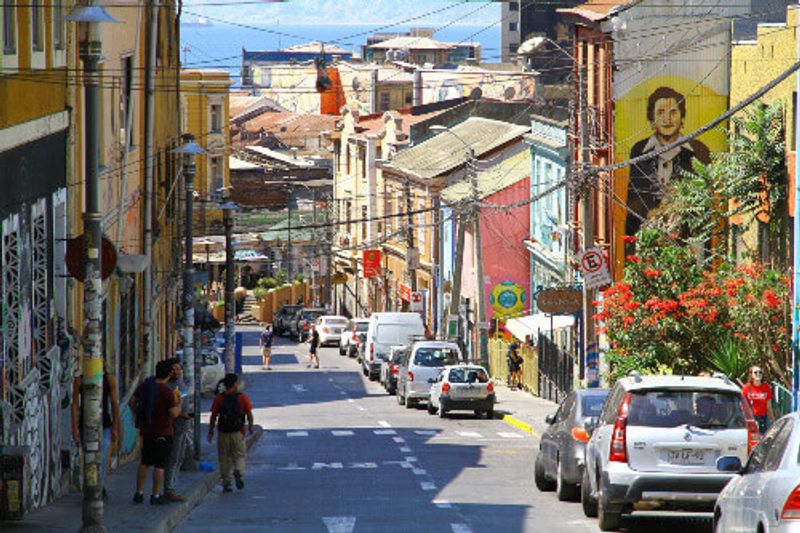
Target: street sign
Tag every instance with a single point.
(416, 301)
(314, 262)
(560, 301)
(74, 257)
(372, 263)
(594, 268)
(405, 292)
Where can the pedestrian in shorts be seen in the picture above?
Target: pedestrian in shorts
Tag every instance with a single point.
(265, 341)
(313, 346)
(230, 409)
(155, 406)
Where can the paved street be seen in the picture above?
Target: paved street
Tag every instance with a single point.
(339, 455)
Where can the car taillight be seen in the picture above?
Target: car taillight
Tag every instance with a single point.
(410, 376)
(445, 388)
(394, 369)
(579, 434)
(753, 435)
(355, 338)
(490, 387)
(618, 452)
(305, 325)
(791, 509)
(325, 329)
(372, 351)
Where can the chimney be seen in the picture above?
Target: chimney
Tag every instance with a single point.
(417, 98)
(373, 90)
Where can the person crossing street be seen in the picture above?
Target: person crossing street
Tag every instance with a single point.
(231, 409)
(265, 342)
(313, 346)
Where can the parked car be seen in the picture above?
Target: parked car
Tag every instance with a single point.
(390, 367)
(765, 495)
(281, 323)
(560, 460)
(657, 442)
(301, 325)
(423, 362)
(331, 328)
(348, 344)
(463, 387)
(386, 330)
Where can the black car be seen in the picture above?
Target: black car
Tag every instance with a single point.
(560, 461)
(281, 323)
(300, 325)
(389, 368)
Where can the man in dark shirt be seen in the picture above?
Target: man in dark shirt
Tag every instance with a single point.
(156, 406)
(313, 341)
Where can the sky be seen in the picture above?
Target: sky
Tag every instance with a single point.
(375, 12)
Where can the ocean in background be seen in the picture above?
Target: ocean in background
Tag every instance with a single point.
(220, 45)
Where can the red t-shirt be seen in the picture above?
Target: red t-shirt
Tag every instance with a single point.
(244, 404)
(160, 420)
(757, 397)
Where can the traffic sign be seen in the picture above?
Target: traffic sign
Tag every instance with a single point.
(416, 301)
(594, 268)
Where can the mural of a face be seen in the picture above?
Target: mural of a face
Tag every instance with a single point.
(667, 119)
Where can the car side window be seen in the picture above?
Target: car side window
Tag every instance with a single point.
(758, 458)
(609, 413)
(778, 448)
(565, 408)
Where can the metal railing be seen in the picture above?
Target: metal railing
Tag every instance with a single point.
(781, 400)
(498, 365)
(556, 368)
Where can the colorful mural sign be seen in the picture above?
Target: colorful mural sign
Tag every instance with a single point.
(507, 300)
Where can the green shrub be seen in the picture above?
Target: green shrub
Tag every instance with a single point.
(260, 293)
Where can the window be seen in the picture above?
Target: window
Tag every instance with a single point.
(512, 26)
(9, 28)
(37, 25)
(216, 118)
(673, 408)
(513, 6)
(385, 102)
(363, 222)
(436, 357)
(349, 214)
(422, 231)
(125, 100)
(512, 48)
(58, 24)
(389, 210)
(409, 98)
(215, 176)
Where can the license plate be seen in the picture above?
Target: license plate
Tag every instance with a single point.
(686, 457)
(469, 392)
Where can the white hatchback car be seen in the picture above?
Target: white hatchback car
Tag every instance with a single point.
(765, 497)
(462, 387)
(330, 328)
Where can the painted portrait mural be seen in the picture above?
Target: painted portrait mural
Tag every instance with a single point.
(665, 86)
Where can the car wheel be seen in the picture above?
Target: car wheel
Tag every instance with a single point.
(565, 492)
(431, 408)
(608, 519)
(410, 403)
(364, 371)
(442, 411)
(588, 503)
(490, 413)
(400, 399)
(542, 483)
(341, 352)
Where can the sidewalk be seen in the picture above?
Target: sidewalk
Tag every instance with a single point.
(121, 514)
(522, 409)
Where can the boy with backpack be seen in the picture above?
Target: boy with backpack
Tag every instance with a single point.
(265, 341)
(231, 408)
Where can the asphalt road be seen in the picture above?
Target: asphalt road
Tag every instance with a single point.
(340, 455)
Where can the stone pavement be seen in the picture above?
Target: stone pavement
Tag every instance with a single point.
(121, 514)
(522, 409)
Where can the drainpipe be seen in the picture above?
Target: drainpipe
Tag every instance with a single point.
(149, 154)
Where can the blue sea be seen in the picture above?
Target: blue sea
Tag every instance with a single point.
(220, 45)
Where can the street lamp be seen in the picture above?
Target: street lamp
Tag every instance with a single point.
(188, 150)
(228, 207)
(455, 302)
(89, 16)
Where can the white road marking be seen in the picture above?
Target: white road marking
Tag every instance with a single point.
(330, 379)
(350, 400)
(410, 459)
(424, 432)
(360, 408)
(419, 472)
(297, 433)
(427, 485)
(385, 432)
(292, 466)
(342, 433)
(332, 466)
(442, 504)
(506, 435)
(470, 434)
(405, 449)
(363, 465)
(339, 524)
(299, 388)
(460, 528)
(342, 392)
(384, 423)
(399, 440)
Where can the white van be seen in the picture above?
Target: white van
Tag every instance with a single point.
(387, 330)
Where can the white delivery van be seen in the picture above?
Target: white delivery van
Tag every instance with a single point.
(386, 330)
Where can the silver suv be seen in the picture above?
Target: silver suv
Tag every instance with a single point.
(656, 444)
(420, 366)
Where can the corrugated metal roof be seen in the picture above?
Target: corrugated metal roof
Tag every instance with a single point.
(447, 151)
(495, 178)
(596, 10)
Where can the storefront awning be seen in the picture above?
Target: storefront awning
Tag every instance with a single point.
(540, 322)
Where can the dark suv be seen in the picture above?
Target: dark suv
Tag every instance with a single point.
(300, 325)
(283, 318)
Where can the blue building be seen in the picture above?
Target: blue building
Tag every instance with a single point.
(549, 236)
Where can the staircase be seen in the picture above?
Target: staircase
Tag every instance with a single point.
(247, 317)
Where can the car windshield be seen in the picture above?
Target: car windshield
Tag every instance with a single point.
(672, 408)
(362, 326)
(436, 356)
(398, 356)
(336, 321)
(468, 375)
(592, 404)
(310, 315)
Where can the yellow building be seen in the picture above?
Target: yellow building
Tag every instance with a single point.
(752, 62)
(204, 113)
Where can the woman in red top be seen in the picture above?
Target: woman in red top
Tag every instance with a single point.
(758, 395)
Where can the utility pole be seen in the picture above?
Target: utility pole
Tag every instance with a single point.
(230, 280)
(796, 286)
(480, 353)
(289, 238)
(93, 357)
(411, 254)
(189, 150)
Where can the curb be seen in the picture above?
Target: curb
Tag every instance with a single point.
(193, 499)
(516, 422)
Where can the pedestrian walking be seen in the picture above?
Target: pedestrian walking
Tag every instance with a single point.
(110, 419)
(180, 431)
(313, 346)
(155, 406)
(265, 341)
(231, 408)
(758, 395)
(514, 361)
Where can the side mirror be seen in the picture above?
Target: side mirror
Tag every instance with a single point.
(590, 424)
(550, 419)
(729, 464)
